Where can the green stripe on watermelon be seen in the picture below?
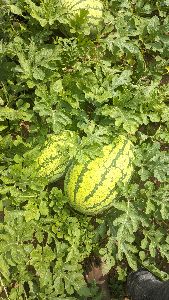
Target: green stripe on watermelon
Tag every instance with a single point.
(94, 189)
(103, 192)
(105, 173)
(56, 155)
(94, 173)
(80, 179)
(84, 169)
(98, 207)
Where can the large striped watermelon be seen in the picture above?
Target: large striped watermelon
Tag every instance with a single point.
(56, 155)
(91, 187)
(94, 9)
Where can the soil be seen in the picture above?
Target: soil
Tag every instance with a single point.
(110, 288)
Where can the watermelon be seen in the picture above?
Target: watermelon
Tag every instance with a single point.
(94, 9)
(56, 155)
(91, 187)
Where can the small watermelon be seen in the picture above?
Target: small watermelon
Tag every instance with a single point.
(94, 9)
(56, 155)
(91, 187)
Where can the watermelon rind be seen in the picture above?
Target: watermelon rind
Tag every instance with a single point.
(91, 187)
(56, 155)
(72, 9)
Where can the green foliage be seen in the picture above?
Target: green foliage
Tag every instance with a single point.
(99, 85)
